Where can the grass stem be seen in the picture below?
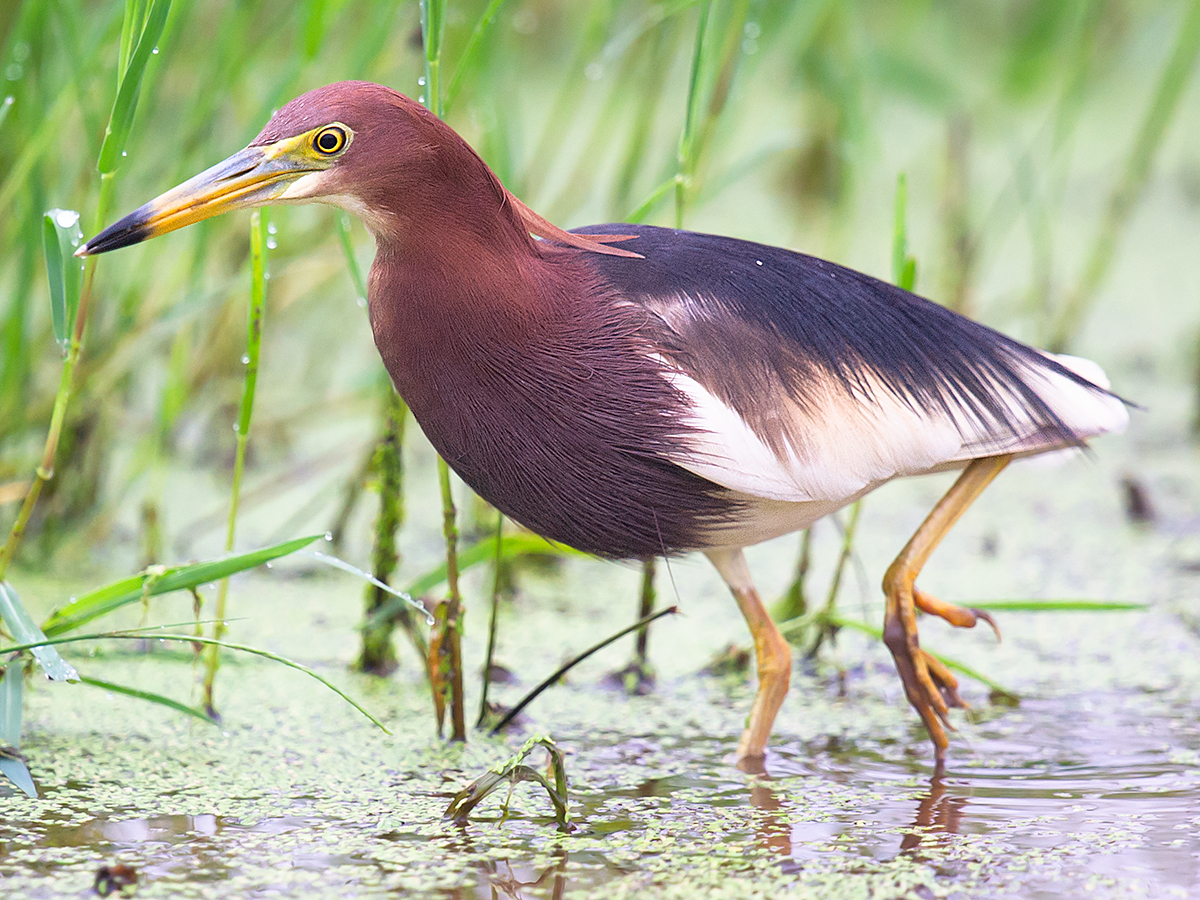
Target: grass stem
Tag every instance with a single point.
(259, 230)
(497, 587)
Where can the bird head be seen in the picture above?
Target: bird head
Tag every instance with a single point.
(362, 147)
(341, 144)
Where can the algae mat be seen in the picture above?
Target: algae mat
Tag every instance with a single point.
(1090, 787)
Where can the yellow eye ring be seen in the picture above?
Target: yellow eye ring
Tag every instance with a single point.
(329, 140)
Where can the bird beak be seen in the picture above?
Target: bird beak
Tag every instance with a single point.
(251, 177)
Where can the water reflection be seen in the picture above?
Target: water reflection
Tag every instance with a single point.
(773, 831)
(502, 879)
(784, 831)
(938, 815)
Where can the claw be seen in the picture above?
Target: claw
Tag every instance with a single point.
(946, 682)
(958, 616)
(987, 617)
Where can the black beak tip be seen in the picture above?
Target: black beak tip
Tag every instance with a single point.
(130, 230)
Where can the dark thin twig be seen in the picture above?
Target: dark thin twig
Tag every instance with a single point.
(570, 664)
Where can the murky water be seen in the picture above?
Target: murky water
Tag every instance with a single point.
(1057, 798)
(1089, 788)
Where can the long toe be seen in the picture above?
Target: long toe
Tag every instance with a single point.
(946, 683)
(958, 616)
(923, 687)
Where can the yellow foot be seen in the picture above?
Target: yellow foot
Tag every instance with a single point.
(958, 616)
(930, 687)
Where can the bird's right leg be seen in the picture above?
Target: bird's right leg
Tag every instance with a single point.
(771, 651)
(929, 686)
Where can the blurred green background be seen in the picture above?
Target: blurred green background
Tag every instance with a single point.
(1051, 148)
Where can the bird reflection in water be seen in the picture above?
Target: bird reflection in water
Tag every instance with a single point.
(939, 815)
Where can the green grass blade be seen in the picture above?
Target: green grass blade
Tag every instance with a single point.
(5, 106)
(22, 627)
(371, 579)
(648, 205)
(131, 26)
(158, 580)
(904, 267)
(467, 59)
(356, 275)
(484, 550)
(61, 236)
(148, 696)
(512, 546)
(433, 28)
(688, 150)
(14, 769)
(1059, 605)
(140, 635)
(316, 20)
(11, 711)
(121, 119)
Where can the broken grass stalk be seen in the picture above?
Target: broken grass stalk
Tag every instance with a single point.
(512, 772)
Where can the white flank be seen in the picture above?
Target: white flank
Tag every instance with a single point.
(840, 446)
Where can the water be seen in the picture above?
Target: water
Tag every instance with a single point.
(1086, 794)
(1089, 788)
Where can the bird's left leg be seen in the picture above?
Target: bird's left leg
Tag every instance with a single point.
(771, 651)
(929, 686)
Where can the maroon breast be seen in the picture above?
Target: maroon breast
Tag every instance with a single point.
(541, 388)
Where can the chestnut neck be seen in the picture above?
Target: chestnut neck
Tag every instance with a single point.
(452, 293)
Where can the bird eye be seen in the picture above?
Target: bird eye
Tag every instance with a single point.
(329, 141)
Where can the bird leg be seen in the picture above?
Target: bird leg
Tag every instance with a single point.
(928, 684)
(771, 651)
